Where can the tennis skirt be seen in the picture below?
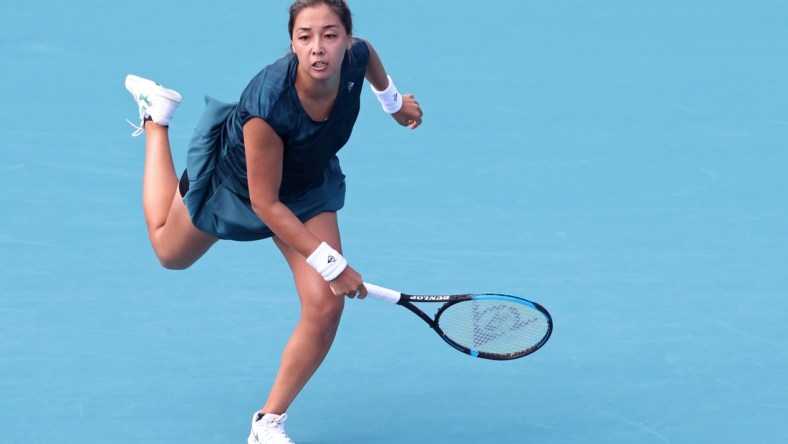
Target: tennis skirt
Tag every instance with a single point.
(217, 194)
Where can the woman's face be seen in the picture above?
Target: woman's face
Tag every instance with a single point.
(319, 41)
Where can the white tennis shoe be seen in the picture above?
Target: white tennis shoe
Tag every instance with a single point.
(154, 101)
(268, 429)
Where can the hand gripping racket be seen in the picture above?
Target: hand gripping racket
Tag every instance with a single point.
(489, 326)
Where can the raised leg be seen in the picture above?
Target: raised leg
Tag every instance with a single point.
(176, 241)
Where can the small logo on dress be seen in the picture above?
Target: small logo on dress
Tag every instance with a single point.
(350, 86)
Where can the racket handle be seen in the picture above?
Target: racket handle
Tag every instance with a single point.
(382, 294)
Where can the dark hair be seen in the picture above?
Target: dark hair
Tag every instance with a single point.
(339, 7)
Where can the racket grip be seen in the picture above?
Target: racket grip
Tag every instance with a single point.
(382, 294)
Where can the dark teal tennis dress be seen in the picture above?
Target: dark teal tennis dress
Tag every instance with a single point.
(312, 181)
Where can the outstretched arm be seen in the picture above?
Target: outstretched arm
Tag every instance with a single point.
(410, 114)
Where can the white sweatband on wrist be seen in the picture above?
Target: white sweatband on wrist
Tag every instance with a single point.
(327, 261)
(390, 98)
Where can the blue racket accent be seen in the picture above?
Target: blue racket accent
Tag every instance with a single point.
(474, 353)
(502, 297)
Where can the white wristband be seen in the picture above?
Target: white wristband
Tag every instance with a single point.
(390, 98)
(327, 261)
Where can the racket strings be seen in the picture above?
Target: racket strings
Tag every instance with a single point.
(493, 326)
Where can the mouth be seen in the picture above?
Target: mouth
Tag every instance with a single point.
(320, 65)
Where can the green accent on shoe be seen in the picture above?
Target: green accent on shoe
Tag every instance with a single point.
(144, 98)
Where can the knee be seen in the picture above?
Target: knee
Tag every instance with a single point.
(173, 262)
(327, 311)
(331, 311)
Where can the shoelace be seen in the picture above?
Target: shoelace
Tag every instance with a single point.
(137, 129)
(277, 429)
(143, 110)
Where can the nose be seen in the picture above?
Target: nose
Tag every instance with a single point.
(317, 46)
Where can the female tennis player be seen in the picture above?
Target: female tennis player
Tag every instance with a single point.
(266, 167)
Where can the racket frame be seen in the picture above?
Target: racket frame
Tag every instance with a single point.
(406, 300)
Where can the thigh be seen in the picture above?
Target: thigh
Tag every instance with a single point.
(179, 243)
(313, 290)
(324, 226)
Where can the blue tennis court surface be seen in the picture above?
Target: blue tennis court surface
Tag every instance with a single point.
(623, 163)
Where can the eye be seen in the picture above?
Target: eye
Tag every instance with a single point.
(303, 38)
(331, 36)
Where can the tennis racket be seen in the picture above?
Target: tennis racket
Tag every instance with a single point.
(489, 326)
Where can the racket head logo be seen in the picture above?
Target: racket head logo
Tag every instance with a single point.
(495, 322)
